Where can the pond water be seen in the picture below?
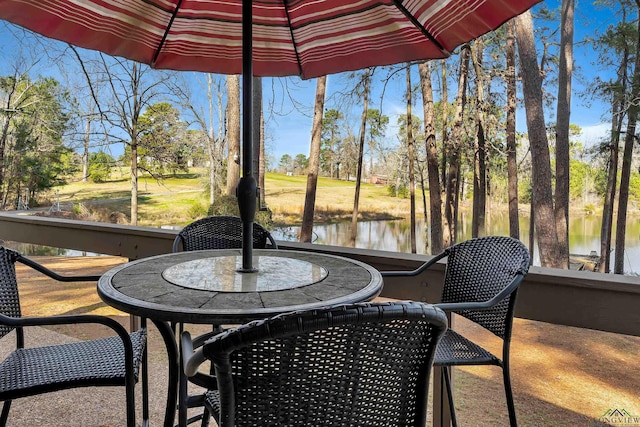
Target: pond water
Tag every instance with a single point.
(584, 235)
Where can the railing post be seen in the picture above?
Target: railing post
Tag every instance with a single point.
(134, 321)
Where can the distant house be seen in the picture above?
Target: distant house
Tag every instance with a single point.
(379, 179)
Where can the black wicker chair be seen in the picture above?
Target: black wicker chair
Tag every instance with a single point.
(354, 365)
(111, 361)
(220, 232)
(481, 281)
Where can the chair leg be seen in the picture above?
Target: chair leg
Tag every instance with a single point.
(206, 417)
(130, 393)
(447, 382)
(145, 388)
(509, 395)
(183, 396)
(5, 413)
(131, 408)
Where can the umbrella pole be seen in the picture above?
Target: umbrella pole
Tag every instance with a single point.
(246, 190)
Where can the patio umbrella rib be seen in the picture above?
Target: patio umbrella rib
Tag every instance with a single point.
(166, 33)
(419, 26)
(293, 40)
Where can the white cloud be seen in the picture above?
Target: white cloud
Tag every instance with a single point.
(593, 134)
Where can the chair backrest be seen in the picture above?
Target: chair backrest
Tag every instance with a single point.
(219, 232)
(9, 298)
(477, 270)
(360, 364)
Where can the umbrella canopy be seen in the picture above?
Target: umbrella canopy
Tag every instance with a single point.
(308, 38)
(290, 37)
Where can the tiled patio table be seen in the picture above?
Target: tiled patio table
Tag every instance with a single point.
(204, 287)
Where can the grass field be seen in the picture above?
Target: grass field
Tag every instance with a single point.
(334, 199)
(182, 198)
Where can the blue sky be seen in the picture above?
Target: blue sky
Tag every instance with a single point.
(290, 133)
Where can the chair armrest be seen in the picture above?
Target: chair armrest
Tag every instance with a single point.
(200, 339)
(188, 346)
(62, 320)
(176, 244)
(44, 270)
(418, 270)
(271, 240)
(482, 305)
(191, 360)
(18, 322)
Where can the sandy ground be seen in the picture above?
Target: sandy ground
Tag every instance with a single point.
(562, 376)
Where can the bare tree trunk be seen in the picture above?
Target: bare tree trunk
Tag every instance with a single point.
(562, 131)
(85, 149)
(233, 133)
(221, 140)
(612, 170)
(363, 128)
(623, 198)
(134, 146)
(630, 137)
(435, 196)
(3, 148)
(452, 185)
(332, 156)
(211, 143)
(541, 160)
(609, 196)
(617, 118)
(134, 183)
(447, 239)
(478, 223)
(86, 142)
(532, 229)
(263, 163)
(257, 130)
(425, 210)
(459, 191)
(411, 153)
(306, 231)
(512, 162)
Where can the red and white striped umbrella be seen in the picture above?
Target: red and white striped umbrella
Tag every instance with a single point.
(308, 38)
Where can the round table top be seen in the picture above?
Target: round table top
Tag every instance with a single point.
(204, 286)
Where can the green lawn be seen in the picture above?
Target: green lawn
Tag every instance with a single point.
(180, 199)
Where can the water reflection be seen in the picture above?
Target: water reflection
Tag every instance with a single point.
(584, 235)
(35, 250)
